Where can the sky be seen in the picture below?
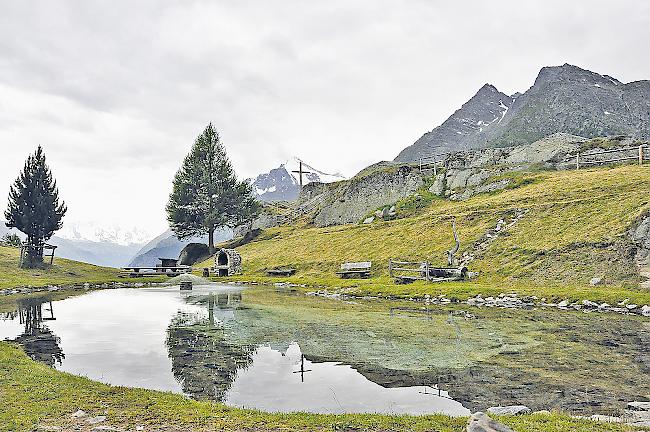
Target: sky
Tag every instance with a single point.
(116, 91)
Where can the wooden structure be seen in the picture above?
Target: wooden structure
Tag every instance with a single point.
(410, 271)
(167, 266)
(300, 172)
(355, 269)
(430, 163)
(227, 262)
(625, 154)
(24, 252)
(281, 272)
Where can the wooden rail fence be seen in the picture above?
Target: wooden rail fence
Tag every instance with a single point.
(639, 154)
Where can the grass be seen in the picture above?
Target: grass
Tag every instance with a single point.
(574, 229)
(63, 272)
(33, 394)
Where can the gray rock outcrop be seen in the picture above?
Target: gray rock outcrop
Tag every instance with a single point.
(193, 253)
(509, 410)
(480, 422)
(349, 201)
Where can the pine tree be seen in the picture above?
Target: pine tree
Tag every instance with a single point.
(34, 206)
(206, 194)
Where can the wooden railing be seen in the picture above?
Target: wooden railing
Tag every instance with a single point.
(638, 155)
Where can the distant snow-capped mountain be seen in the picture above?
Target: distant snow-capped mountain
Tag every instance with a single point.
(283, 183)
(91, 231)
(99, 247)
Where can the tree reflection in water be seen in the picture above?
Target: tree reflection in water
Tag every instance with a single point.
(203, 361)
(37, 339)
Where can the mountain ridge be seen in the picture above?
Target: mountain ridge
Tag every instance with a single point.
(562, 99)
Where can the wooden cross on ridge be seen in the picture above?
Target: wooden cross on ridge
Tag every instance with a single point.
(300, 172)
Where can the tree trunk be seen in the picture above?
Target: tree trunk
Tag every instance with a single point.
(211, 240)
(34, 258)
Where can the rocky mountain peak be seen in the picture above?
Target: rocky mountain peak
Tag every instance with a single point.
(565, 98)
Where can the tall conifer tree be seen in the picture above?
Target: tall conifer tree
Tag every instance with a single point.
(34, 206)
(206, 194)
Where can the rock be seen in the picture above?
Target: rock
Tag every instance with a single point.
(638, 406)
(369, 220)
(589, 304)
(48, 428)
(193, 253)
(544, 412)
(95, 420)
(480, 422)
(645, 310)
(79, 413)
(631, 306)
(595, 281)
(563, 303)
(509, 410)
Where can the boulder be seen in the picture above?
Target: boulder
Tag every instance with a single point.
(480, 422)
(595, 281)
(509, 410)
(638, 406)
(193, 253)
(369, 220)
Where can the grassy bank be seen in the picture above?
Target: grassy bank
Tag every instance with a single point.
(63, 272)
(34, 394)
(573, 228)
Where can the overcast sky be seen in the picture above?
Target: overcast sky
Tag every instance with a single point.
(116, 91)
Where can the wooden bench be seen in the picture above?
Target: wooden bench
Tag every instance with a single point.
(355, 269)
(154, 271)
(281, 272)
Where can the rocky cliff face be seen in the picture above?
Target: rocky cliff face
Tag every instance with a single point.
(467, 128)
(563, 99)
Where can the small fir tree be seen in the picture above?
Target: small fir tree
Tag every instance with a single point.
(34, 207)
(206, 194)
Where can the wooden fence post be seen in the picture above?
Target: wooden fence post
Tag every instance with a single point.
(390, 267)
(426, 269)
(641, 154)
(435, 168)
(578, 160)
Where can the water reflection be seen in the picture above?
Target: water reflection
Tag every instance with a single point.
(283, 352)
(37, 339)
(202, 359)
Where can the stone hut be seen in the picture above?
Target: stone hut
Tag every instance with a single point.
(227, 262)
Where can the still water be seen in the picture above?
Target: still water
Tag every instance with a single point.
(171, 340)
(284, 351)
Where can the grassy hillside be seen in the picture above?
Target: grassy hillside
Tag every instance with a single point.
(63, 272)
(573, 229)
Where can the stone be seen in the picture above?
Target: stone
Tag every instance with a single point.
(645, 310)
(631, 306)
(638, 406)
(95, 420)
(480, 422)
(79, 413)
(369, 220)
(193, 253)
(563, 303)
(595, 281)
(589, 304)
(509, 410)
(48, 428)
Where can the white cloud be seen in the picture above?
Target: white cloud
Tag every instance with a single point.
(116, 91)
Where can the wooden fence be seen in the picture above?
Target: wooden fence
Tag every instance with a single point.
(635, 153)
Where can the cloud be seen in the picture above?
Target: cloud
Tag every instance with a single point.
(116, 91)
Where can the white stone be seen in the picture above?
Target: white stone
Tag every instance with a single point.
(645, 310)
(595, 281)
(79, 413)
(509, 410)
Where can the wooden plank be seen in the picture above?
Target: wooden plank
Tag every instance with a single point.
(356, 265)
